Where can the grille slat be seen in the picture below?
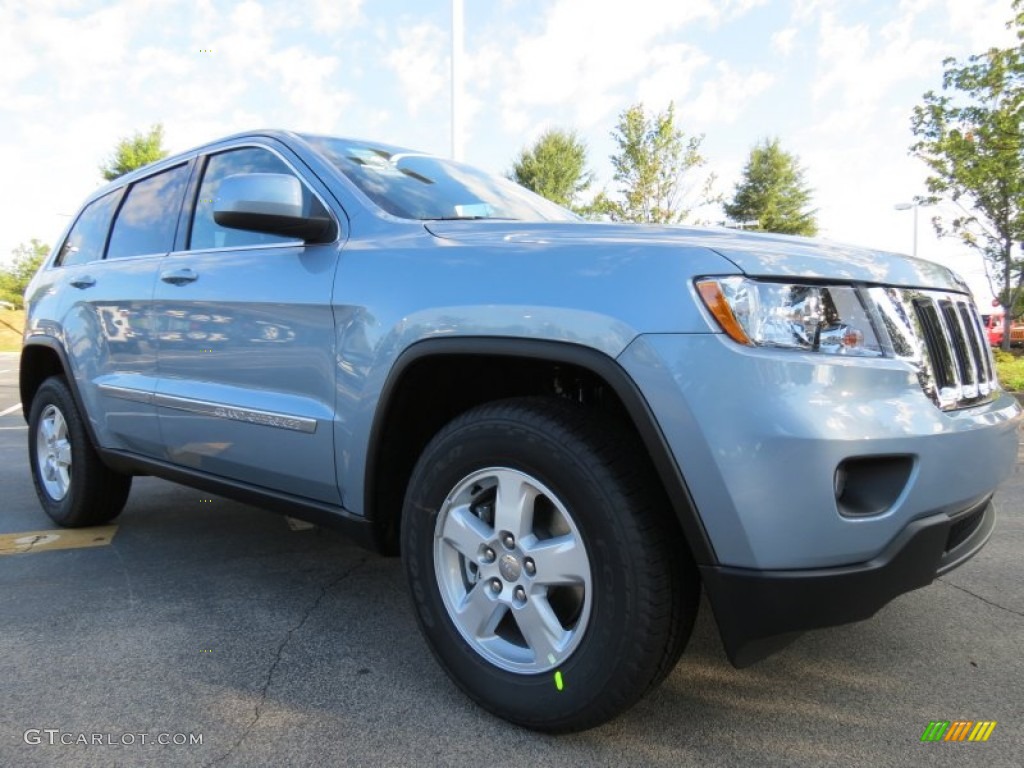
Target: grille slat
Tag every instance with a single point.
(977, 358)
(981, 339)
(964, 360)
(938, 346)
(956, 349)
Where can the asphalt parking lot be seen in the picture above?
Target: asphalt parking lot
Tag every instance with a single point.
(205, 618)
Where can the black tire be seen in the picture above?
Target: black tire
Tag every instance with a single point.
(619, 634)
(74, 487)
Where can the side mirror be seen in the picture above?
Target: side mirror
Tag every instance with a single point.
(268, 202)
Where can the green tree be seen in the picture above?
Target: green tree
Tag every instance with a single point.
(555, 167)
(14, 278)
(651, 165)
(971, 136)
(131, 153)
(773, 193)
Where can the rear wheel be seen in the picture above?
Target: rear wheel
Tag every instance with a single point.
(74, 487)
(548, 576)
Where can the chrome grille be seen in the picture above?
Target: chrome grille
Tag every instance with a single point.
(941, 334)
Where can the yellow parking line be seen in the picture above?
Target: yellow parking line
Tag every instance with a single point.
(62, 538)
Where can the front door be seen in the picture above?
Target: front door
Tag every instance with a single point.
(246, 347)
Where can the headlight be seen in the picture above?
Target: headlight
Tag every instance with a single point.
(811, 318)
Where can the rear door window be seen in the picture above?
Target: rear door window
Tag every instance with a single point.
(86, 240)
(148, 218)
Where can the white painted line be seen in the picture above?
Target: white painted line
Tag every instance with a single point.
(12, 409)
(23, 426)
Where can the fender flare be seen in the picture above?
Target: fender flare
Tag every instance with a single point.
(597, 363)
(53, 344)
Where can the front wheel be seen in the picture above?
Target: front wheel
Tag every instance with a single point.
(74, 487)
(547, 574)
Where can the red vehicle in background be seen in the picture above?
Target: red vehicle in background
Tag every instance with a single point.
(994, 330)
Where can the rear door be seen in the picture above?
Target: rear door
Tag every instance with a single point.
(246, 336)
(109, 262)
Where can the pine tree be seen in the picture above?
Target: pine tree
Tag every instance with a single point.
(555, 167)
(772, 195)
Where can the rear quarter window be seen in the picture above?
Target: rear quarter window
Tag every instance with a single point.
(88, 236)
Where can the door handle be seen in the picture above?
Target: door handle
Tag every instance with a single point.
(179, 276)
(84, 281)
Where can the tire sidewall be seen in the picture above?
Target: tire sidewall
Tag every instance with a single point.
(55, 393)
(597, 661)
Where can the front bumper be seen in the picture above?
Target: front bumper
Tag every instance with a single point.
(759, 437)
(759, 612)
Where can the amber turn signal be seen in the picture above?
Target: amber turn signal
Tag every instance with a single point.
(714, 300)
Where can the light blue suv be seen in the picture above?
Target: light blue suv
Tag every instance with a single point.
(565, 428)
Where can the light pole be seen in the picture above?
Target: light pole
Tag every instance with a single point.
(907, 207)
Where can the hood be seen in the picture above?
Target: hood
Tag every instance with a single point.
(755, 254)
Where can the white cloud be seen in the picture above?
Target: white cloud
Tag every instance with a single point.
(313, 101)
(84, 53)
(482, 67)
(673, 71)
(247, 14)
(20, 58)
(738, 8)
(861, 67)
(808, 9)
(855, 150)
(980, 24)
(245, 44)
(585, 51)
(332, 15)
(420, 62)
(723, 98)
(588, 59)
(782, 41)
(843, 50)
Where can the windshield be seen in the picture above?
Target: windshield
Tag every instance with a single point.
(418, 186)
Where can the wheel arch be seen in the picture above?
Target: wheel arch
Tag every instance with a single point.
(467, 371)
(41, 358)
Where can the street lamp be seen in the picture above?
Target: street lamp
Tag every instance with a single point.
(908, 207)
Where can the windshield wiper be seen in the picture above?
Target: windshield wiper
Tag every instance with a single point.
(469, 218)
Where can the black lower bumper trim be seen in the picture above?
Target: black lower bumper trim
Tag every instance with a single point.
(760, 612)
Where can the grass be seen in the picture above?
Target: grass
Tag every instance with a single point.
(1010, 368)
(12, 321)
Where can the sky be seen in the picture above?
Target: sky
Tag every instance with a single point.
(834, 80)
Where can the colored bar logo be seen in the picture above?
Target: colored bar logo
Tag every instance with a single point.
(958, 730)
